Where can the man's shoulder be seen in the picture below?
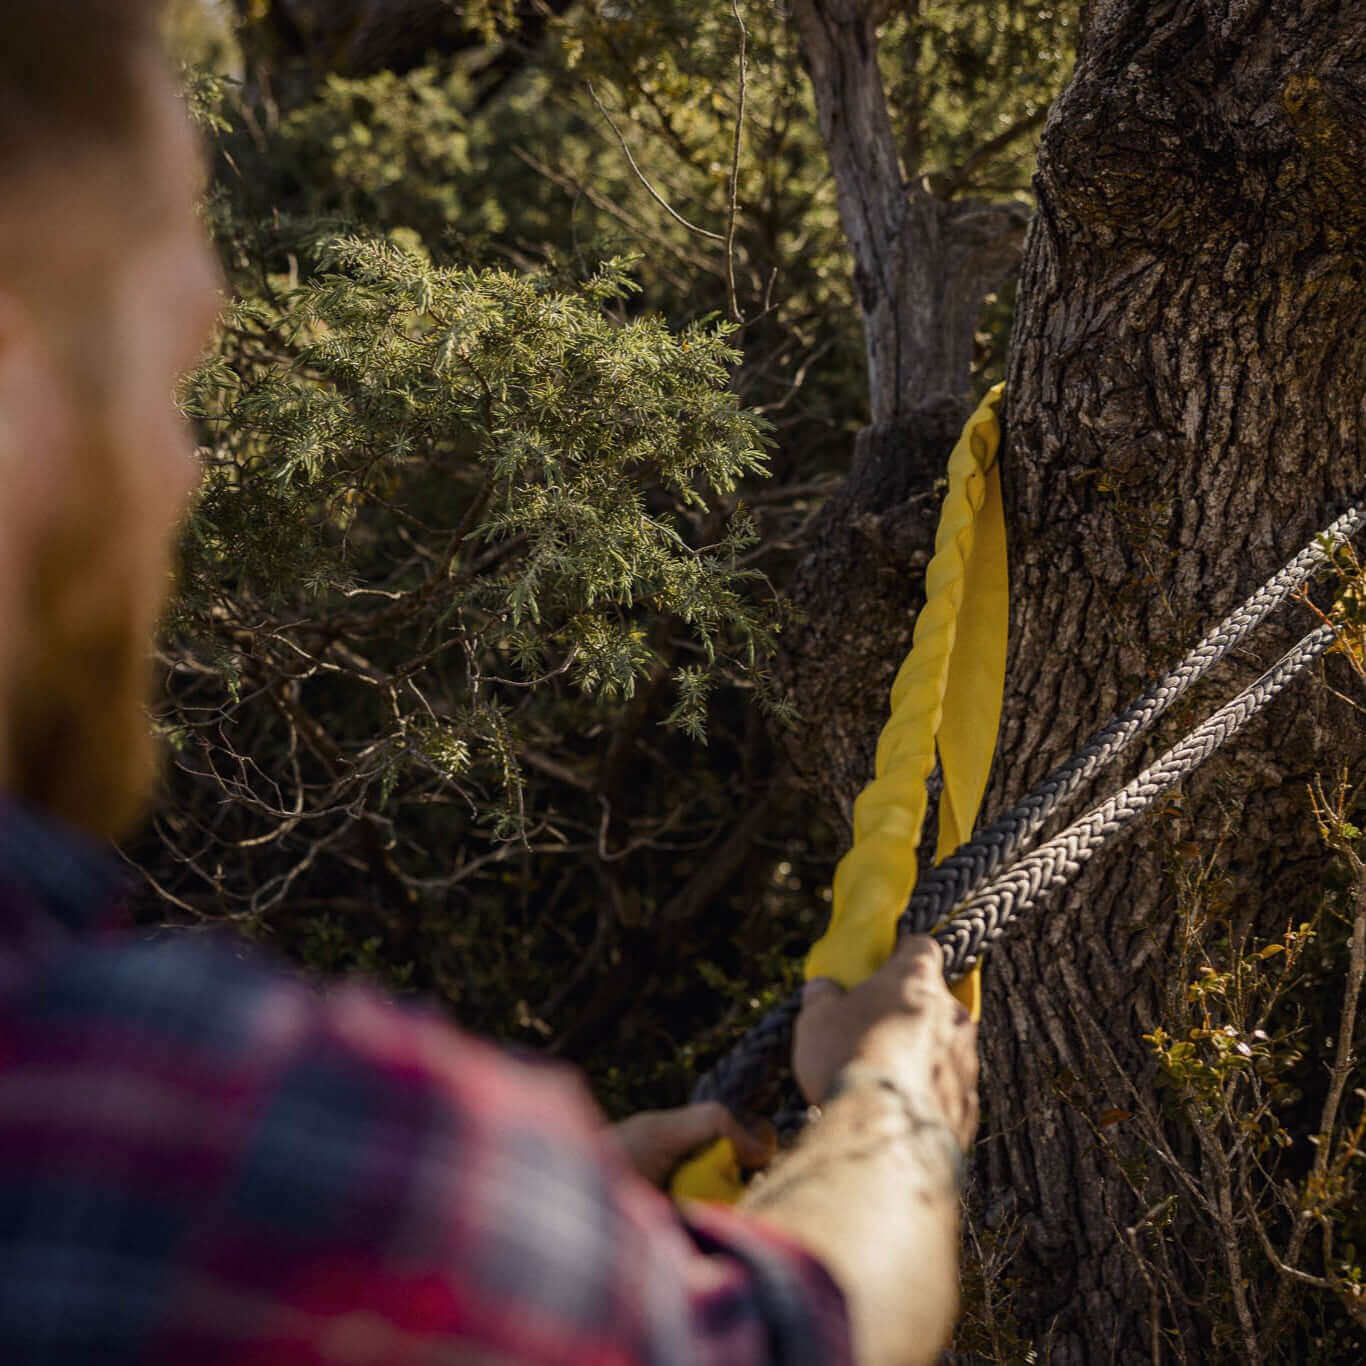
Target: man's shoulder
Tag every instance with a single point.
(214, 1011)
(315, 1115)
(181, 993)
(207, 1146)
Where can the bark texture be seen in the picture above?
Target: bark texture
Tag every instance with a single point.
(921, 264)
(1185, 409)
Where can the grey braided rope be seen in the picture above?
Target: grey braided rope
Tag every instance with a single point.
(986, 909)
(751, 1066)
(953, 881)
(984, 917)
(739, 1078)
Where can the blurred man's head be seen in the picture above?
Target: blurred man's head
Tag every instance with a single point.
(107, 293)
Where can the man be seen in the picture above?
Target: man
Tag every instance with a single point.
(203, 1160)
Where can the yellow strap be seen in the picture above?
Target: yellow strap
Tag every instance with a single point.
(946, 696)
(714, 1174)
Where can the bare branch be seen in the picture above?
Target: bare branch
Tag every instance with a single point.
(734, 192)
(603, 203)
(949, 182)
(640, 175)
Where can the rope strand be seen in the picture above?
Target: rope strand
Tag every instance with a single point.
(982, 901)
(954, 880)
(982, 920)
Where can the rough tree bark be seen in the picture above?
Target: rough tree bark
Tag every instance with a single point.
(922, 267)
(1184, 410)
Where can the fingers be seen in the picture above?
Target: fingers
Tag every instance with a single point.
(952, 1077)
(693, 1125)
(925, 1037)
(820, 988)
(904, 1015)
(755, 1147)
(918, 955)
(656, 1141)
(917, 965)
(690, 1126)
(962, 1116)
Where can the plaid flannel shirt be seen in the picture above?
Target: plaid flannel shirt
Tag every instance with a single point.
(203, 1161)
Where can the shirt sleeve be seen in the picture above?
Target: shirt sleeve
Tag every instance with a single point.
(401, 1193)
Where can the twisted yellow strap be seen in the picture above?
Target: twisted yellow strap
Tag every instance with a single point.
(946, 696)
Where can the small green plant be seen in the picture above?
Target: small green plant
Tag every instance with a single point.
(1259, 1066)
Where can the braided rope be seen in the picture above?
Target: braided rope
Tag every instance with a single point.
(738, 1077)
(985, 909)
(749, 1067)
(982, 920)
(957, 877)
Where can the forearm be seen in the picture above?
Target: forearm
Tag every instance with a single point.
(872, 1190)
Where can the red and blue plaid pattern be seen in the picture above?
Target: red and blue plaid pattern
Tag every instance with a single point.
(204, 1161)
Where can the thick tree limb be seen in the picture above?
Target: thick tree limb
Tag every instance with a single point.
(922, 262)
(923, 265)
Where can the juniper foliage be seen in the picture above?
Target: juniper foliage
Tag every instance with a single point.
(467, 683)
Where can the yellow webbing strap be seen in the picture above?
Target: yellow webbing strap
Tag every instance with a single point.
(946, 696)
(946, 693)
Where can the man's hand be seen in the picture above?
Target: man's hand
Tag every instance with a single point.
(658, 1140)
(872, 1188)
(901, 1022)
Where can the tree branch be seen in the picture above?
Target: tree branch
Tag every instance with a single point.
(734, 190)
(950, 182)
(840, 45)
(640, 175)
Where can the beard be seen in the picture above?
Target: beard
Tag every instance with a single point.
(80, 743)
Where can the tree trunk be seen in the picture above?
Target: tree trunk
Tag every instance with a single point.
(922, 267)
(1185, 409)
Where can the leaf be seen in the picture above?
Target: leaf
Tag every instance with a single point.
(1271, 951)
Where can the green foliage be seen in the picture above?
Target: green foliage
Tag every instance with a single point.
(1258, 1071)
(391, 149)
(467, 682)
(968, 80)
(561, 445)
(463, 590)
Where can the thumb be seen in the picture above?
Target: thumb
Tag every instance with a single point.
(709, 1119)
(755, 1145)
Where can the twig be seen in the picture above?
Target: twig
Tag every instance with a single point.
(1341, 1067)
(732, 205)
(1154, 1299)
(533, 758)
(955, 179)
(605, 205)
(797, 380)
(640, 175)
